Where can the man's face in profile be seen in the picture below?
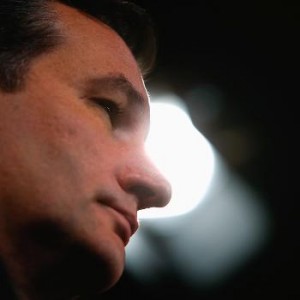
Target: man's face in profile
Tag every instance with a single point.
(73, 171)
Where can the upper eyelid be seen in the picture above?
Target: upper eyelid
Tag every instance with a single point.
(117, 98)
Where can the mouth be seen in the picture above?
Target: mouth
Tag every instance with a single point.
(130, 221)
(126, 223)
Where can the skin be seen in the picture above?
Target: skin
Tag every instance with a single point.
(73, 169)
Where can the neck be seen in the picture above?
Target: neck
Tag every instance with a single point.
(6, 289)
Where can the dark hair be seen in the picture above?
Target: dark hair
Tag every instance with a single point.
(29, 28)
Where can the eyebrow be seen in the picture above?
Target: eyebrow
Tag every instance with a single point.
(119, 83)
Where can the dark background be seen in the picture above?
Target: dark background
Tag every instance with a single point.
(247, 52)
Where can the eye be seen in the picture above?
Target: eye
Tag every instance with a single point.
(112, 108)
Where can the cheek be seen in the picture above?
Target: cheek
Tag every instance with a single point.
(51, 175)
(53, 158)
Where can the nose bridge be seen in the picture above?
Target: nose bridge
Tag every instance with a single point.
(140, 177)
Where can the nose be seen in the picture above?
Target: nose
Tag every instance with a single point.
(142, 178)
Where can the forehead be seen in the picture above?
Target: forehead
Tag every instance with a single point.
(94, 49)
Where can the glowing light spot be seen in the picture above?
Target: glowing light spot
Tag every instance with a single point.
(182, 154)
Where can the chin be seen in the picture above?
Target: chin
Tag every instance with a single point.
(58, 267)
(54, 262)
(78, 273)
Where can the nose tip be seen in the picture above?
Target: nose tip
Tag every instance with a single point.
(150, 188)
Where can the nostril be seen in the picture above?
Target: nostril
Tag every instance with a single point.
(151, 195)
(142, 192)
(149, 188)
(145, 195)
